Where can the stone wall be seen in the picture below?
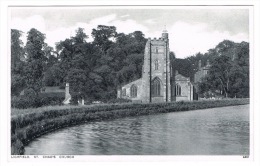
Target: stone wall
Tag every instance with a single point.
(186, 88)
(156, 55)
(202, 72)
(125, 91)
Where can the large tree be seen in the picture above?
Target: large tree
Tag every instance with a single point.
(17, 63)
(104, 36)
(229, 71)
(77, 66)
(109, 61)
(17, 51)
(219, 77)
(35, 59)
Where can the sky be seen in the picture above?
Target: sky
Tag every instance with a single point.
(191, 30)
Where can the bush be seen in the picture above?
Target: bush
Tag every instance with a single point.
(24, 102)
(43, 99)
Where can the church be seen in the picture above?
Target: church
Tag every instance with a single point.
(159, 83)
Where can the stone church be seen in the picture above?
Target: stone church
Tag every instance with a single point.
(158, 83)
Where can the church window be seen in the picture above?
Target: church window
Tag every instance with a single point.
(156, 64)
(177, 90)
(133, 91)
(156, 49)
(124, 92)
(156, 87)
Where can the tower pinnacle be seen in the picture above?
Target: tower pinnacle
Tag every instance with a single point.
(164, 30)
(165, 33)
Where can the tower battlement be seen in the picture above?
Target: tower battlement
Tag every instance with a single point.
(157, 39)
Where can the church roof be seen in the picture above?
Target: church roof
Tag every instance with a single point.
(138, 81)
(179, 77)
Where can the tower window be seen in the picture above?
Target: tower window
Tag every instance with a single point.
(133, 91)
(177, 90)
(156, 49)
(156, 87)
(156, 64)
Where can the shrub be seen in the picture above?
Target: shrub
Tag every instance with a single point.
(24, 102)
(43, 99)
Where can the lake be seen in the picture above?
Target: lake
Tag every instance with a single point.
(215, 131)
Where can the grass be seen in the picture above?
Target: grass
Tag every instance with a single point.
(27, 124)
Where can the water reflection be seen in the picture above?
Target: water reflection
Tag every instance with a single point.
(218, 131)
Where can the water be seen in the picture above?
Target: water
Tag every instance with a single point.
(217, 131)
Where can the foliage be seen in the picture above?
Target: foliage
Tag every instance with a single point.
(229, 71)
(104, 36)
(30, 100)
(96, 69)
(183, 66)
(35, 60)
(17, 79)
(17, 63)
(17, 51)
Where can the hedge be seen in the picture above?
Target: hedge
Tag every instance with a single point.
(43, 99)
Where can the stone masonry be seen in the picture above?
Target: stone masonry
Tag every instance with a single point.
(157, 83)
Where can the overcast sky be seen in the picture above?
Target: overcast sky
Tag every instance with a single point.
(190, 30)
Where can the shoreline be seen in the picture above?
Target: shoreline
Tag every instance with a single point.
(26, 127)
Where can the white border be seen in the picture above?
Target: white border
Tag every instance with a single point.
(202, 160)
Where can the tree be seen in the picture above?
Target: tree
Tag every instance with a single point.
(78, 66)
(35, 60)
(17, 63)
(17, 51)
(172, 55)
(51, 56)
(109, 61)
(220, 74)
(79, 84)
(184, 67)
(227, 77)
(67, 51)
(229, 73)
(227, 48)
(104, 36)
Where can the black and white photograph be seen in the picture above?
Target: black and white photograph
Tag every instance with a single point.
(130, 80)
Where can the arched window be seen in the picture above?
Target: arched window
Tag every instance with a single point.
(124, 92)
(156, 49)
(156, 87)
(177, 90)
(133, 91)
(156, 64)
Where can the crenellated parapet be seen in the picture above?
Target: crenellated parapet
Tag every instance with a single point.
(158, 39)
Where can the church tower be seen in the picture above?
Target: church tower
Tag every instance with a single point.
(156, 70)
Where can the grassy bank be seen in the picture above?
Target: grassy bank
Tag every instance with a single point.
(28, 124)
